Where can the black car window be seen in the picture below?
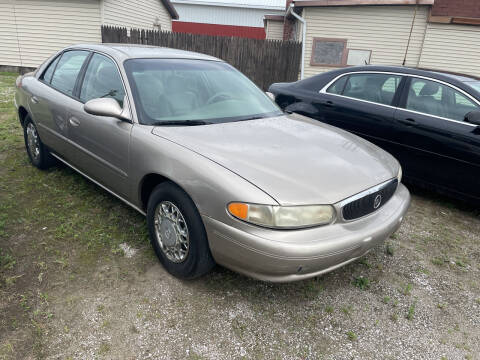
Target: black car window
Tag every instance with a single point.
(67, 70)
(47, 75)
(374, 87)
(433, 98)
(102, 79)
(338, 86)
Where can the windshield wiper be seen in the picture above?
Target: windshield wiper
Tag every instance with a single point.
(255, 117)
(181, 123)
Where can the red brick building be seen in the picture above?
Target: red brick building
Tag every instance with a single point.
(459, 8)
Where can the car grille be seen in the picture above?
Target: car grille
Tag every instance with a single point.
(369, 203)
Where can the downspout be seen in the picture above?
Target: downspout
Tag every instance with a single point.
(304, 36)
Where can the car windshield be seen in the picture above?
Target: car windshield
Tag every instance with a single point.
(196, 92)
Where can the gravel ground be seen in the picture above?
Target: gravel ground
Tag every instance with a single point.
(78, 280)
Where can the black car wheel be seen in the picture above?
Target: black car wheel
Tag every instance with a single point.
(177, 232)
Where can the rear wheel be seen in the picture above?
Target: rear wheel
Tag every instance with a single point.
(177, 232)
(37, 152)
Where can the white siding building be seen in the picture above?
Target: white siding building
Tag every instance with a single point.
(452, 47)
(32, 30)
(274, 26)
(382, 32)
(225, 17)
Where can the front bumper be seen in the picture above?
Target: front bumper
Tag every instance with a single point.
(290, 255)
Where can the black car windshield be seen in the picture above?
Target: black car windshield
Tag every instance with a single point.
(170, 91)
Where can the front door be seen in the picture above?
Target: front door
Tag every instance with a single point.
(102, 143)
(440, 147)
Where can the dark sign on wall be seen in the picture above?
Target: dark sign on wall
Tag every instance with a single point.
(329, 52)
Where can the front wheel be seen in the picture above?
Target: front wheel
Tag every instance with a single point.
(37, 152)
(177, 232)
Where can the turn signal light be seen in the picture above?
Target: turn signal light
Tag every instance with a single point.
(238, 210)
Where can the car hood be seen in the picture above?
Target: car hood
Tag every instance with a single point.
(294, 159)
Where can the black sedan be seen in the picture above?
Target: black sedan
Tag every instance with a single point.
(430, 121)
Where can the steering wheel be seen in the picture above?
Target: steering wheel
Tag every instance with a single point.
(218, 95)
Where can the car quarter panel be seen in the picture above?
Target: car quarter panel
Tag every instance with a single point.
(48, 107)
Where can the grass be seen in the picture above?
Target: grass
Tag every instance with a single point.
(389, 249)
(7, 262)
(408, 289)
(411, 312)
(73, 223)
(352, 336)
(362, 283)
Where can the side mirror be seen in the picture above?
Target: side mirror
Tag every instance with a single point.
(473, 117)
(106, 107)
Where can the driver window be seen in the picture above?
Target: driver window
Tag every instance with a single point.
(102, 80)
(433, 98)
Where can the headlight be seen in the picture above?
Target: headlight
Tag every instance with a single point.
(400, 174)
(283, 217)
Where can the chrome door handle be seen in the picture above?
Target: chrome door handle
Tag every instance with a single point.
(34, 99)
(74, 121)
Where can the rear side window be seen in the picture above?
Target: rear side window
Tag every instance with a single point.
(102, 79)
(433, 98)
(338, 86)
(47, 75)
(67, 70)
(377, 88)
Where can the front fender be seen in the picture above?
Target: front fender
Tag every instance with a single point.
(210, 185)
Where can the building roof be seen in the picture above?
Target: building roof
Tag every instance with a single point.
(274, 17)
(308, 3)
(170, 8)
(256, 4)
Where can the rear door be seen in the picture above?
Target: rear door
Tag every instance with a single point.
(51, 97)
(363, 103)
(439, 146)
(102, 143)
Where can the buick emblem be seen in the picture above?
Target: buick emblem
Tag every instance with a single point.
(377, 201)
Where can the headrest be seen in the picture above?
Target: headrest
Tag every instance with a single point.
(429, 89)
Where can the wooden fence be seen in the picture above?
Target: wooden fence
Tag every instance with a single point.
(263, 61)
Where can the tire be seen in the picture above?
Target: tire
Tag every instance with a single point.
(37, 152)
(183, 257)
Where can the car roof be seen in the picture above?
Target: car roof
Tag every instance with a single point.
(435, 74)
(123, 52)
(459, 80)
